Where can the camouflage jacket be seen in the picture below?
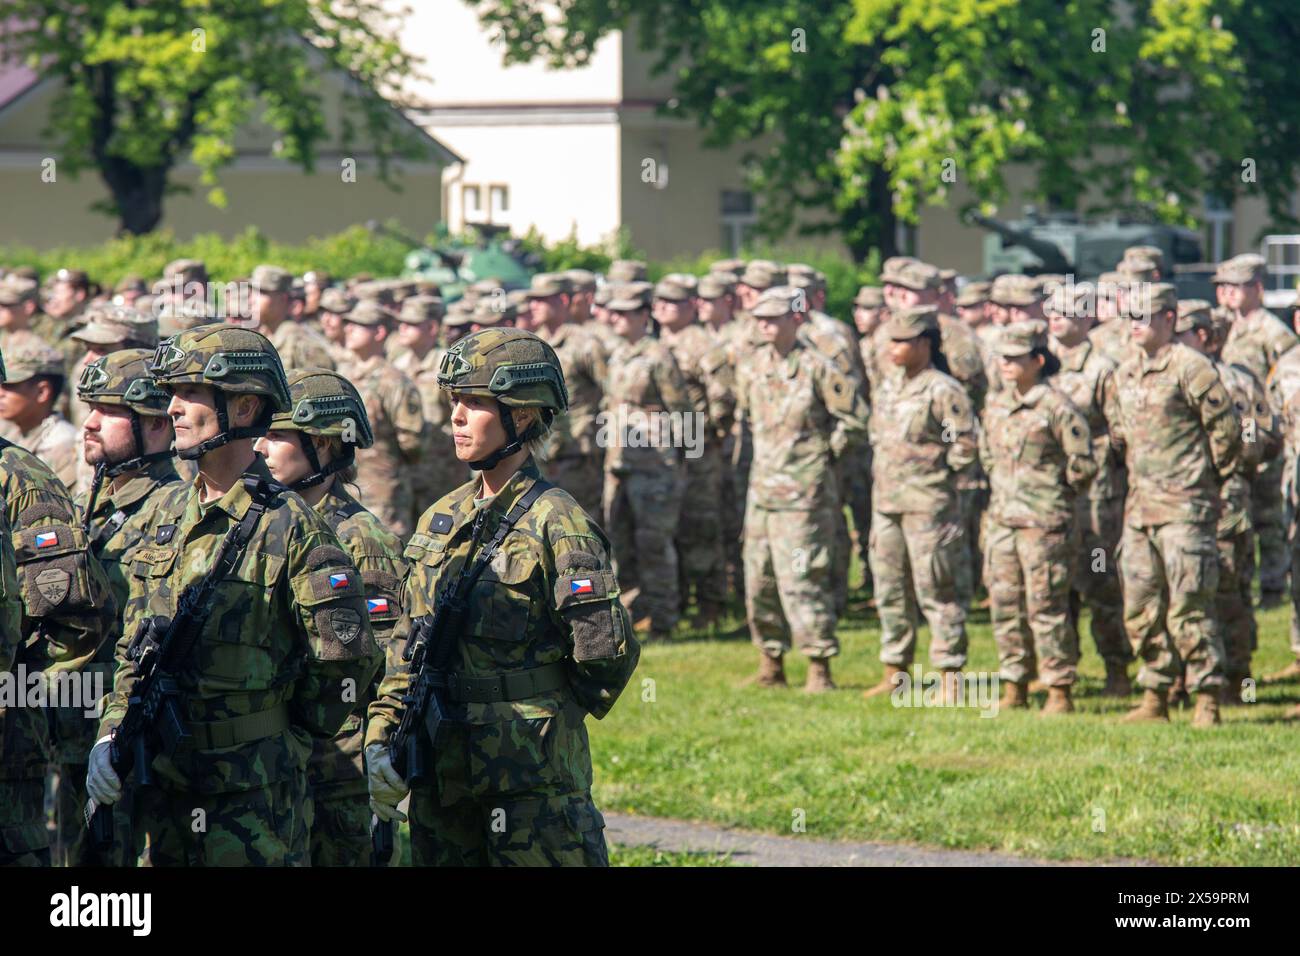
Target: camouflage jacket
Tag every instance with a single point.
(548, 597)
(1257, 341)
(1086, 378)
(1173, 420)
(397, 420)
(337, 764)
(300, 347)
(1038, 454)
(923, 434)
(288, 630)
(960, 347)
(582, 356)
(1261, 440)
(708, 377)
(423, 374)
(1284, 397)
(54, 441)
(1114, 339)
(803, 413)
(643, 378)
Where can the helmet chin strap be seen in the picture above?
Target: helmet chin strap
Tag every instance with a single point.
(319, 474)
(135, 463)
(225, 434)
(514, 442)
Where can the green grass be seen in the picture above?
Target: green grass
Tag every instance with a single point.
(649, 856)
(693, 745)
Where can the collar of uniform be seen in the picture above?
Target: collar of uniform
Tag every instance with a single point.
(361, 367)
(1031, 397)
(141, 484)
(234, 502)
(1161, 360)
(1073, 357)
(335, 500)
(463, 511)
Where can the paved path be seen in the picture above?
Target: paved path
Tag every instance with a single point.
(761, 849)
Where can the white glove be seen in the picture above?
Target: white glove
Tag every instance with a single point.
(102, 783)
(387, 788)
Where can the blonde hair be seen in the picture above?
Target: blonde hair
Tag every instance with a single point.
(538, 447)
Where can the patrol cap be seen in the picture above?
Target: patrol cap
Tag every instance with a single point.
(947, 276)
(75, 277)
(370, 313)
(189, 270)
(122, 378)
(974, 293)
(800, 269)
(337, 301)
(909, 323)
(870, 297)
(779, 301)
(670, 290)
(1154, 253)
(26, 272)
(728, 265)
(30, 358)
(626, 298)
(174, 317)
(517, 299)
(580, 280)
(546, 284)
(131, 283)
(297, 289)
(318, 277)
(323, 402)
(1194, 314)
(1238, 272)
(1077, 301)
(117, 325)
(374, 289)
(1139, 269)
(420, 308)
(1152, 299)
(1014, 290)
(15, 290)
(458, 314)
(683, 279)
(602, 295)
(891, 267)
(713, 286)
(1020, 338)
(763, 274)
(626, 270)
(267, 278)
(401, 289)
(918, 276)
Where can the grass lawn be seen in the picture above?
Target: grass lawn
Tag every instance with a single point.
(693, 745)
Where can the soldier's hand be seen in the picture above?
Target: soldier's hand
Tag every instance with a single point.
(102, 782)
(387, 788)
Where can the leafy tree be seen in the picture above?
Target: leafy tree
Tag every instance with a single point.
(147, 85)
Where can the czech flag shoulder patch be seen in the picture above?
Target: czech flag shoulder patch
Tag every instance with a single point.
(47, 539)
(338, 581)
(377, 605)
(580, 586)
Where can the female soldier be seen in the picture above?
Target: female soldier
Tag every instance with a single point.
(310, 449)
(542, 642)
(1037, 451)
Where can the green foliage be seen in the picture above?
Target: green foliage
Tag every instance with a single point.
(570, 254)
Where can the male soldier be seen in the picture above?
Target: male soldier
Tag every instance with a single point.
(67, 611)
(68, 296)
(281, 648)
(455, 324)
(1174, 420)
(1111, 334)
(384, 475)
(573, 461)
(417, 330)
(709, 385)
(715, 301)
(184, 280)
(759, 276)
(804, 412)
(310, 449)
(622, 271)
(128, 439)
(1257, 339)
(334, 305)
(1087, 378)
(1198, 329)
(27, 402)
(644, 472)
(314, 284)
(582, 288)
(297, 345)
(19, 307)
(1284, 395)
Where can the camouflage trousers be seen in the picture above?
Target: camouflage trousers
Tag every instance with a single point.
(641, 515)
(973, 500)
(268, 826)
(843, 552)
(1295, 596)
(1233, 605)
(72, 846)
(581, 476)
(1266, 517)
(701, 562)
(733, 518)
(340, 827)
(788, 587)
(1169, 575)
(857, 491)
(1096, 576)
(24, 840)
(1028, 572)
(921, 565)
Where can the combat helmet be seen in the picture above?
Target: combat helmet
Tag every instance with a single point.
(516, 368)
(230, 360)
(324, 403)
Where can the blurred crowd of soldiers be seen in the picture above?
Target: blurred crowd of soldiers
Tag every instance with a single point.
(1032, 444)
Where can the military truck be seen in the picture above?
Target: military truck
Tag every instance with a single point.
(455, 265)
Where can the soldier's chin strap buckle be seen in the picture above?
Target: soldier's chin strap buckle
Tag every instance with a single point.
(226, 434)
(319, 474)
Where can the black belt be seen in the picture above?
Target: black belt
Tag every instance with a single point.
(516, 685)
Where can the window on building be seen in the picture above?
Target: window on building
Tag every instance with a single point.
(1218, 229)
(739, 219)
(499, 200)
(471, 202)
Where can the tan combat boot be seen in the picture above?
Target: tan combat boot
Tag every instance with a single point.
(1058, 702)
(1117, 682)
(1289, 673)
(771, 673)
(819, 676)
(1154, 706)
(1207, 710)
(1036, 686)
(1014, 696)
(1231, 694)
(1178, 696)
(888, 684)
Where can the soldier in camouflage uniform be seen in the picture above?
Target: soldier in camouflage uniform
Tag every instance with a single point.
(804, 413)
(27, 401)
(574, 461)
(1257, 339)
(1038, 454)
(128, 439)
(297, 345)
(868, 314)
(334, 305)
(923, 434)
(546, 640)
(310, 449)
(1111, 335)
(1199, 329)
(1087, 378)
(1174, 421)
(67, 611)
(285, 649)
(384, 470)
